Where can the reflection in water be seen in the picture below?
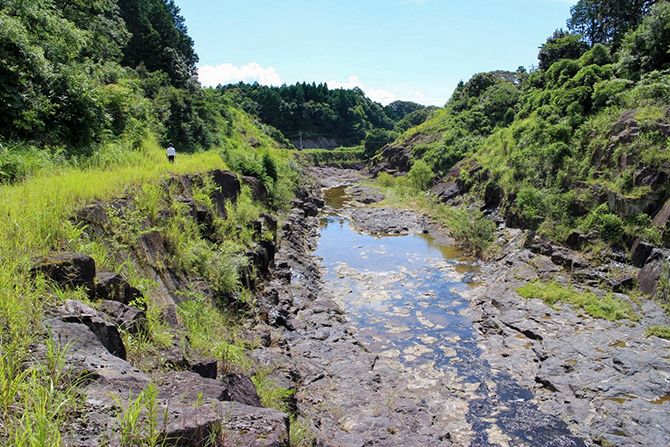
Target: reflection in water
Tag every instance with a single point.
(402, 292)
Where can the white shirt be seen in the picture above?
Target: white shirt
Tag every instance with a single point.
(171, 151)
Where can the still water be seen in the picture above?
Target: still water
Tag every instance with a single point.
(405, 296)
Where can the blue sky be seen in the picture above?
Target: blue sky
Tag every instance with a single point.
(415, 50)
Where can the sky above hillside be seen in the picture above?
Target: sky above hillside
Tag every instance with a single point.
(414, 50)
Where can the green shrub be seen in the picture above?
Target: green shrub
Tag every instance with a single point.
(385, 180)
(531, 203)
(473, 232)
(420, 175)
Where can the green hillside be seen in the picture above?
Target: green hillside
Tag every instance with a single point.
(579, 143)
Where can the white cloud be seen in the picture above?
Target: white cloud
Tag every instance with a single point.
(351, 83)
(211, 76)
(382, 96)
(416, 96)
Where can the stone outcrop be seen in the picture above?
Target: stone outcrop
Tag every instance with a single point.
(68, 270)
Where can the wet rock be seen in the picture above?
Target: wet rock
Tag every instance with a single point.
(68, 270)
(127, 318)
(106, 332)
(112, 286)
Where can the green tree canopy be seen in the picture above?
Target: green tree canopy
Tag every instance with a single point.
(560, 45)
(648, 47)
(159, 39)
(607, 21)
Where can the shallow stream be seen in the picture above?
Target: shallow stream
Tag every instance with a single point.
(405, 296)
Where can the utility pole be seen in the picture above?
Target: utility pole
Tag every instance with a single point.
(300, 140)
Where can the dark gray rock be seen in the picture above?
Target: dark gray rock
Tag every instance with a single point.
(310, 209)
(493, 195)
(650, 274)
(258, 189)
(662, 217)
(242, 389)
(231, 423)
(127, 318)
(448, 191)
(112, 286)
(640, 251)
(68, 270)
(187, 386)
(227, 189)
(652, 177)
(107, 333)
(207, 368)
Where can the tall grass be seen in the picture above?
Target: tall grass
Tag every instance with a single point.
(34, 220)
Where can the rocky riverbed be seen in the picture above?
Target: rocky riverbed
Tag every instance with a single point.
(540, 375)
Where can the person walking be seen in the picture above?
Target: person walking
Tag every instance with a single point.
(171, 153)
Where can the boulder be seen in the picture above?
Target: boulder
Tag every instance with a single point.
(576, 240)
(226, 423)
(228, 188)
(652, 177)
(207, 368)
(127, 318)
(258, 189)
(68, 270)
(187, 386)
(640, 251)
(310, 209)
(112, 286)
(661, 218)
(104, 330)
(152, 246)
(95, 217)
(242, 389)
(651, 272)
(448, 191)
(493, 195)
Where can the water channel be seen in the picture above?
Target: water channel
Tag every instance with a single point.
(406, 297)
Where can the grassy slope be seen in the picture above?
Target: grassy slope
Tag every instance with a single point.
(35, 401)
